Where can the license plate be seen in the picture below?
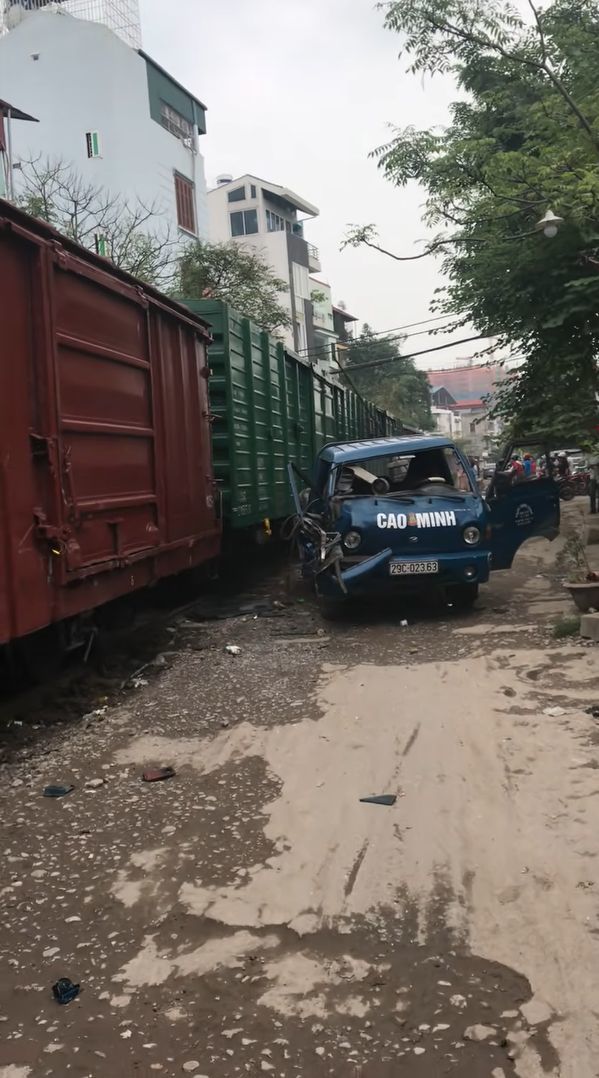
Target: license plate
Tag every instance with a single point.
(413, 568)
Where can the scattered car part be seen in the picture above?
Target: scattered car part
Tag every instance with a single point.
(158, 774)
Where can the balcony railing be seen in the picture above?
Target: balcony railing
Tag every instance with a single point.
(313, 259)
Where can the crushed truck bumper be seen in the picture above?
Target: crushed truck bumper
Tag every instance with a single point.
(373, 575)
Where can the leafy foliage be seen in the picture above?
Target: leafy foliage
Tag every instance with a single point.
(523, 135)
(237, 275)
(397, 386)
(131, 233)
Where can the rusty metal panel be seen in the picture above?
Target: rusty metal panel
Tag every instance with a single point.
(185, 450)
(23, 574)
(106, 477)
(105, 423)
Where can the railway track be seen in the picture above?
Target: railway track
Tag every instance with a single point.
(116, 661)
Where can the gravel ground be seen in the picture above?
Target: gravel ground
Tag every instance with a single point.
(250, 915)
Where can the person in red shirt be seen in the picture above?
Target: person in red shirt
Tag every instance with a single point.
(516, 469)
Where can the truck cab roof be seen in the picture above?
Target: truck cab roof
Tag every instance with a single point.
(368, 449)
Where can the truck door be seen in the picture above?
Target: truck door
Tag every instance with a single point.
(521, 506)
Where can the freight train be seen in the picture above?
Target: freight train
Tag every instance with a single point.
(136, 430)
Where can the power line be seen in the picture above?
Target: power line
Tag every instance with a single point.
(410, 325)
(393, 329)
(324, 351)
(413, 355)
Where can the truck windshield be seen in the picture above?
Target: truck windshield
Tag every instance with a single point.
(428, 472)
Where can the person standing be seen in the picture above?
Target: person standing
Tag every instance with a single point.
(530, 466)
(563, 466)
(516, 469)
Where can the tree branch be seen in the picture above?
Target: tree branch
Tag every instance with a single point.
(537, 19)
(485, 42)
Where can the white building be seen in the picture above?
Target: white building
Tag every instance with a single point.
(109, 111)
(324, 354)
(447, 422)
(264, 216)
(122, 16)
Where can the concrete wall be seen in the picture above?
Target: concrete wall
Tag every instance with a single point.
(86, 79)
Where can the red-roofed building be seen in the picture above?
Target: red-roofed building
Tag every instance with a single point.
(467, 392)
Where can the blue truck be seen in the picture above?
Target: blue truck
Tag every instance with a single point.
(406, 514)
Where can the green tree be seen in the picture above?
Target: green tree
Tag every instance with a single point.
(237, 275)
(523, 136)
(398, 386)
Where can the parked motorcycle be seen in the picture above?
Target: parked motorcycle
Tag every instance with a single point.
(573, 486)
(566, 489)
(581, 482)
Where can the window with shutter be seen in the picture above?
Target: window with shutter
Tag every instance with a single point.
(185, 196)
(92, 142)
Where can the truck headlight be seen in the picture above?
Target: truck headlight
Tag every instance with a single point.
(352, 540)
(471, 535)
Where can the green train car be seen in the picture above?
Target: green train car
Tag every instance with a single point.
(270, 407)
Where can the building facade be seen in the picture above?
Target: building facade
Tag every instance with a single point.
(265, 216)
(447, 422)
(109, 112)
(121, 16)
(324, 355)
(467, 393)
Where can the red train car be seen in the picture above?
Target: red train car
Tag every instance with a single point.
(106, 481)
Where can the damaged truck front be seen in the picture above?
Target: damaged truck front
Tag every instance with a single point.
(406, 514)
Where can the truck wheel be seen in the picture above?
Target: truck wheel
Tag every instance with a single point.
(463, 596)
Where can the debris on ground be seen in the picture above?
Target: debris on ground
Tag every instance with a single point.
(57, 791)
(94, 784)
(222, 611)
(479, 1033)
(380, 799)
(373, 969)
(295, 638)
(158, 774)
(554, 712)
(64, 991)
(232, 649)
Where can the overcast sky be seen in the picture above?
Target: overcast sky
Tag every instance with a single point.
(299, 92)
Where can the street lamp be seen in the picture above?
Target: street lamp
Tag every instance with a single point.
(550, 224)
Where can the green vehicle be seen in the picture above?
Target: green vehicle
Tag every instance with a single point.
(271, 408)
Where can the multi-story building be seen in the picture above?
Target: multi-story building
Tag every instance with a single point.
(447, 421)
(343, 322)
(467, 392)
(106, 109)
(122, 16)
(265, 216)
(324, 354)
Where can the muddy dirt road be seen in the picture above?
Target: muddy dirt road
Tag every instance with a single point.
(252, 916)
